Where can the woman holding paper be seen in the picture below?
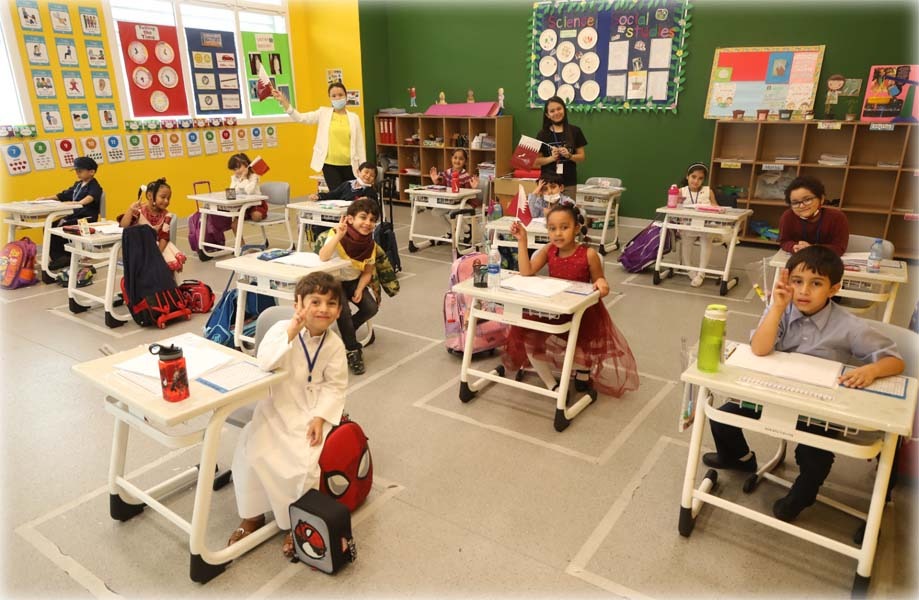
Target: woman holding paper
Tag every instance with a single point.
(563, 143)
(339, 148)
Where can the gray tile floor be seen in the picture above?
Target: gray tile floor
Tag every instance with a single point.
(482, 499)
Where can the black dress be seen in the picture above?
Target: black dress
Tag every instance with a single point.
(553, 138)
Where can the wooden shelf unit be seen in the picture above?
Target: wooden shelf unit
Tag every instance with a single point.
(878, 201)
(424, 157)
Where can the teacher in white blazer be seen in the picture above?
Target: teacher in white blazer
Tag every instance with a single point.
(339, 147)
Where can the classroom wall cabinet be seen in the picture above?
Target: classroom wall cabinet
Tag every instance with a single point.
(411, 162)
(876, 183)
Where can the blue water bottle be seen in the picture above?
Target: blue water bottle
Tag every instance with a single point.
(875, 256)
(711, 338)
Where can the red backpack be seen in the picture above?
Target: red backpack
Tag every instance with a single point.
(17, 264)
(199, 297)
(346, 465)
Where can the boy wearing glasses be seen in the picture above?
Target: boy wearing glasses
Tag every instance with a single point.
(808, 222)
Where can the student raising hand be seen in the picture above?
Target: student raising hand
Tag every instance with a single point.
(298, 321)
(518, 231)
(782, 293)
(342, 228)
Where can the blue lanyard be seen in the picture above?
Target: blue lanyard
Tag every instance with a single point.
(311, 360)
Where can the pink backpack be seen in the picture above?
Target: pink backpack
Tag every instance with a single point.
(17, 264)
(488, 334)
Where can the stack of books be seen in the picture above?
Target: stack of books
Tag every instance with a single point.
(833, 160)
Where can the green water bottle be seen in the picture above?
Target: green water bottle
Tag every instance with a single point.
(711, 339)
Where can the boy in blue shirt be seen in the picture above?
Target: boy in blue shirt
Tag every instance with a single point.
(88, 193)
(802, 319)
(549, 190)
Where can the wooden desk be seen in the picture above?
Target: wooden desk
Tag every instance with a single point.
(600, 202)
(727, 225)
(443, 201)
(849, 409)
(102, 251)
(36, 214)
(512, 305)
(216, 203)
(135, 407)
(322, 213)
(888, 280)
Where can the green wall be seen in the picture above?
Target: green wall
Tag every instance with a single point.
(452, 46)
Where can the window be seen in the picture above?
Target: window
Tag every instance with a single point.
(15, 109)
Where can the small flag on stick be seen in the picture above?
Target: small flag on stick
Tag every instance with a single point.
(520, 207)
(263, 88)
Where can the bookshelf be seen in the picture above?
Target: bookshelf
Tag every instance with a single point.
(409, 156)
(877, 187)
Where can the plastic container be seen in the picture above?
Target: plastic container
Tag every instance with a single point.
(494, 267)
(673, 196)
(875, 256)
(454, 182)
(711, 338)
(173, 375)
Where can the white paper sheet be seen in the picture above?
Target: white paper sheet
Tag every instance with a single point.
(233, 376)
(300, 259)
(335, 203)
(638, 85)
(657, 85)
(108, 228)
(618, 56)
(660, 53)
(199, 358)
(615, 86)
(538, 286)
(788, 365)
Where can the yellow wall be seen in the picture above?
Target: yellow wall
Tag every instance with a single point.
(324, 35)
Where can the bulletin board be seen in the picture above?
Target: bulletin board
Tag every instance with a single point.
(619, 55)
(272, 50)
(774, 78)
(215, 78)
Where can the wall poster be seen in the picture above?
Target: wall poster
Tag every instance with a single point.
(155, 81)
(215, 77)
(272, 51)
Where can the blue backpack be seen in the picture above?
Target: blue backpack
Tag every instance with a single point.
(219, 327)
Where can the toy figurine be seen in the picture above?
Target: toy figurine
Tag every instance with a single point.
(441, 98)
(501, 99)
(470, 96)
(411, 97)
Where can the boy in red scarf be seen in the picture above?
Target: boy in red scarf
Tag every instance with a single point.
(352, 240)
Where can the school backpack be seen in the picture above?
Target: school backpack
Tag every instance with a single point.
(199, 297)
(148, 286)
(219, 326)
(321, 532)
(345, 464)
(641, 251)
(158, 308)
(385, 234)
(488, 334)
(17, 264)
(216, 226)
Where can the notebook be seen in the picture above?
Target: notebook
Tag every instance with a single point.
(788, 365)
(538, 286)
(300, 259)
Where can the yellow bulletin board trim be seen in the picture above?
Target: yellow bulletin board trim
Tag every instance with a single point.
(763, 77)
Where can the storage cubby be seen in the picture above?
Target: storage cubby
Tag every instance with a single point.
(423, 156)
(875, 199)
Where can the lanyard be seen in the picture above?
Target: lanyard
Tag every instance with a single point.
(311, 361)
(691, 199)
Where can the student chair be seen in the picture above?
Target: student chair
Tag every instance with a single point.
(278, 193)
(603, 181)
(852, 290)
(102, 206)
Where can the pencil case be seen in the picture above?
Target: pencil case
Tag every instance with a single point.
(273, 254)
(76, 229)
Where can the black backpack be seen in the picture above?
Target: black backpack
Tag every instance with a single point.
(385, 235)
(148, 286)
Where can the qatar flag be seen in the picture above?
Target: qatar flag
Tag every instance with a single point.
(263, 88)
(520, 208)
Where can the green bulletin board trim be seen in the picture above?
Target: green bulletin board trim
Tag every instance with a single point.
(266, 45)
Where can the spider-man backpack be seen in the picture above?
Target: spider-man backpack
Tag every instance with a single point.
(347, 469)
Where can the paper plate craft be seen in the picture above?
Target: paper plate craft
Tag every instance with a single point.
(137, 52)
(590, 90)
(590, 62)
(548, 39)
(571, 73)
(164, 52)
(565, 51)
(566, 93)
(142, 78)
(546, 89)
(548, 66)
(168, 77)
(587, 38)
(159, 101)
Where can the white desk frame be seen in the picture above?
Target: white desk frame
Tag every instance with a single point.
(537, 235)
(270, 278)
(134, 407)
(321, 186)
(317, 213)
(216, 203)
(102, 251)
(780, 414)
(36, 215)
(443, 201)
(889, 277)
(601, 202)
(727, 225)
(486, 304)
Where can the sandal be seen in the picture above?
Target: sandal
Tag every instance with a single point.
(288, 547)
(245, 528)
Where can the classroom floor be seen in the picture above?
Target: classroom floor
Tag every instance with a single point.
(469, 500)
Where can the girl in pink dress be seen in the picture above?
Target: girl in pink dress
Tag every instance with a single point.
(603, 359)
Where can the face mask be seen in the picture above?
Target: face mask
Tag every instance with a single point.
(552, 198)
(339, 104)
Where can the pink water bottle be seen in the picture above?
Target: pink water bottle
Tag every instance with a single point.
(673, 196)
(454, 182)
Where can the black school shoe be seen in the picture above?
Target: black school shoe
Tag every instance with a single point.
(714, 460)
(356, 361)
(788, 508)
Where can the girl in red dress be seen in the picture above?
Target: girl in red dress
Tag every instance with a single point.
(603, 358)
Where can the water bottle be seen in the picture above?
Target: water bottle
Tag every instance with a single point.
(494, 267)
(454, 182)
(875, 256)
(173, 375)
(673, 196)
(711, 338)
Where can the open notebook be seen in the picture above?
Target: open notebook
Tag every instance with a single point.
(538, 286)
(788, 365)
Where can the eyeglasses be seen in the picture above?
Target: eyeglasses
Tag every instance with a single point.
(803, 202)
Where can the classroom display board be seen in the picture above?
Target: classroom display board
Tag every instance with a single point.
(271, 50)
(155, 82)
(891, 94)
(619, 55)
(215, 78)
(773, 78)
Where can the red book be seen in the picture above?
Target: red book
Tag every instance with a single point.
(259, 166)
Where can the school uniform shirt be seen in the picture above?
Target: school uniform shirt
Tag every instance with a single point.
(350, 190)
(273, 464)
(703, 196)
(832, 333)
(339, 141)
(831, 229)
(551, 139)
(322, 117)
(246, 185)
(77, 192)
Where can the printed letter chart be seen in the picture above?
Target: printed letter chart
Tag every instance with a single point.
(15, 157)
(155, 143)
(92, 148)
(41, 155)
(114, 148)
(136, 147)
(66, 151)
(174, 144)
(258, 142)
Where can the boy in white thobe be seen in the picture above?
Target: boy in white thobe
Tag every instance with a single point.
(277, 457)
